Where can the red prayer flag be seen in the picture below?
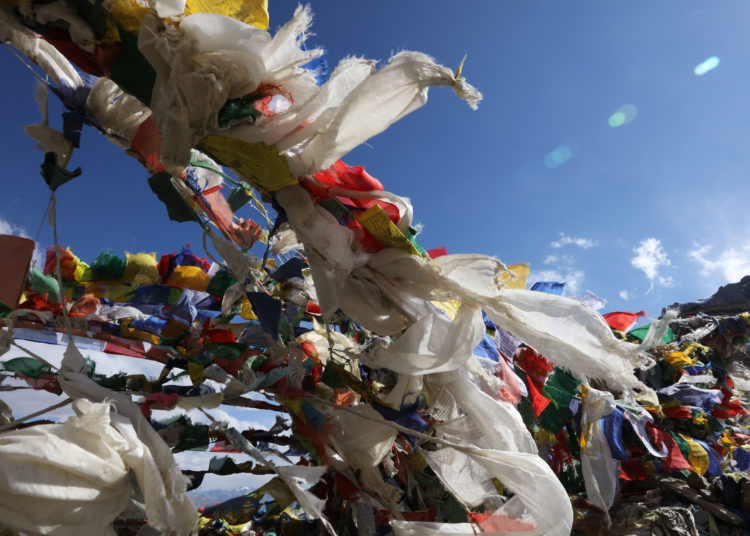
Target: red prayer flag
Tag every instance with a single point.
(538, 400)
(159, 401)
(342, 175)
(223, 446)
(674, 460)
(437, 252)
(677, 412)
(147, 145)
(535, 365)
(632, 469)
(347, 489)
(244, 232)
(622, 320)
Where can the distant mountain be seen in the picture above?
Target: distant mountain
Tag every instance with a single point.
(204, 498)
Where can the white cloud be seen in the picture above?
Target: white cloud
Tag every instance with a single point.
(198, 461)
(650, 258)
(560, 267)
(666, 281)
(8, 228)
(560, 260)
(732, 264)
(235, 421)
(584, 243)
(624, 294)
(573, 279)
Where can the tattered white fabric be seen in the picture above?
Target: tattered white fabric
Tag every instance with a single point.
(569, 334)
(118, 113)
(510, 454)
(41, 52)
(167, 505)
(361, 442)
(468, 481)
(237, 263)
(600, 470)
(72, 478)
(592, 300)
(319, 228)
(50, 140)
(300, 479)
(524, 473)
(406, 392)
(498, 524)
(432, 344)
(297, 478)
(498, 421)
(639, 427)
(426, 528)
(380, 100)
(55, 65)
(212, 58)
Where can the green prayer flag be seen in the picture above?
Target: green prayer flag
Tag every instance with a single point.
(331, 376)
(561, 387)
(640, 334)
(26, 366)
(94, 14)
(107, 267)
(269, 379)
(412, 237)
(177, 208)
(116, 382)
(238, 198)
(44, 284)
(192, 436)
(220, 282)
(553, 419)
(225, 350)
(239, 109)
(684, 447)
(132, 71)
(223, 466)
(55, 175)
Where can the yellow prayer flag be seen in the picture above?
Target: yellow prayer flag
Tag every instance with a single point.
(259, 164)
(251, 12)
(129, 14)
(516, 276)
(698, 457)
(141, 269)
(450, 307)
(378, 224)
(192, 277)
(195, 371)
(246, 309)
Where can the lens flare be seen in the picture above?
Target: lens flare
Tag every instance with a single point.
(623, 115)
(558, 157)
(709, 65)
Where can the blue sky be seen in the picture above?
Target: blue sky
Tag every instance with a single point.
(643, 214)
